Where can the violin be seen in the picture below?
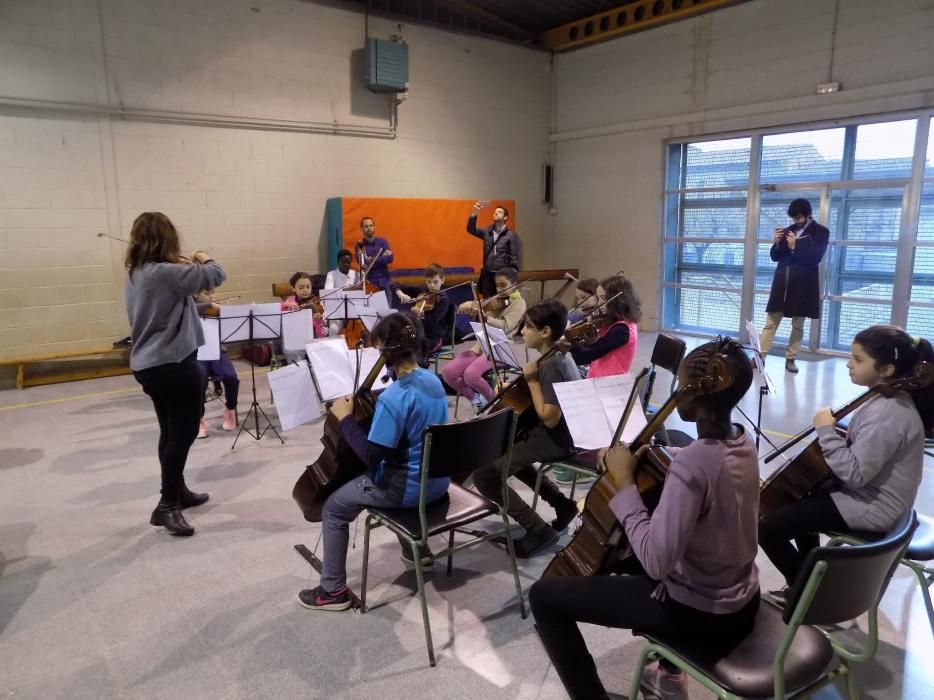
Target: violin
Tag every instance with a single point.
(314, 303)
(808, 471)
(338, 463)
(427, 303)
(600, 543)
(517, 396)
(495, 304)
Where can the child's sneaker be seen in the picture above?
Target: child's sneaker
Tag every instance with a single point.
(428, 564)
(319, 599)
(203, 429)
(659, 684)
(478, 402)
(230, 419)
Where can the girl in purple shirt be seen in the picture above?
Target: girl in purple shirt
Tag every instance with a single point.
(696, 551)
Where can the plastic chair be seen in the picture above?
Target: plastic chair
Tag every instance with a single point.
(786, 655)
(455, 449)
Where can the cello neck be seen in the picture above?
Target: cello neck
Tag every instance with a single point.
(838, 413)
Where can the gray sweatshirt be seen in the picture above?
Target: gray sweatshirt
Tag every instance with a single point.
(701, 541)
(879, 464)
(164, 322)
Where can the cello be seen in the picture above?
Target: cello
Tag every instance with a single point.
(600, 542)
(808, 471)
(338, 463)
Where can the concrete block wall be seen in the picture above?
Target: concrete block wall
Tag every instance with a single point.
(475, 125)
(755, 65)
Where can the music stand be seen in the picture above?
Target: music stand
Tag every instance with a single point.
(256, 322)
(763, 380)
(339, 304)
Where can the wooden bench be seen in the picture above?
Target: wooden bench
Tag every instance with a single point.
(64, 374)
(283, 289)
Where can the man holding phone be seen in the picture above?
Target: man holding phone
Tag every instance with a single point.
(798, 250)
(500, 245)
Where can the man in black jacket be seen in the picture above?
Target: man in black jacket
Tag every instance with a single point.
(798, 250)
(500, 246)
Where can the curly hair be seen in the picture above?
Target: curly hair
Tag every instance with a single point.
(697, 365)
(400, 337)
(626, 306)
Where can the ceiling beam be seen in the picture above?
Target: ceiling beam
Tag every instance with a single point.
(480, 13)
(626, 19)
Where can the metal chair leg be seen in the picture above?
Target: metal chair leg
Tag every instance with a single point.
(926, 583)
(366, 563)
(420, 577)
(450, 553)
(645, 658)
(515, 567)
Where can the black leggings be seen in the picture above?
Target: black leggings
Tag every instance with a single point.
(800, 521)
(175, 390)
(624, 602)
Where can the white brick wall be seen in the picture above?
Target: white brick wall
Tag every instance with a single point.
(753, 65)
(474, 125)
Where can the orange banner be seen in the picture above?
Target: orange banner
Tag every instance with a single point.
(421, 231)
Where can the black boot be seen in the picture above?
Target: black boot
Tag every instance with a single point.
(189, 499)
(171, 518)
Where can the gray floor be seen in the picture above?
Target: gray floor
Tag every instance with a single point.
(94, 602)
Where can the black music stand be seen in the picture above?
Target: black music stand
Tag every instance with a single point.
(268, 332)
(763, 380)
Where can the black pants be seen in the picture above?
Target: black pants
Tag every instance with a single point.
(224, 370)
(801, 522)
(624, 602)
(175, 390)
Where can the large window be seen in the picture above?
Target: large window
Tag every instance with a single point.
(724, 199)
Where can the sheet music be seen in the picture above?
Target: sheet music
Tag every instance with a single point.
(330, 363)
(294, 394)
(235, 322)
(584, 414)
(368, 358)
(614, 393)
(758, 361)
(372, 315)
(211, 350)
(297, 330)
(502, 348)
(592, 409)
(334, 366)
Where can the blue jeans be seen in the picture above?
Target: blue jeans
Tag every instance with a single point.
(340, 509)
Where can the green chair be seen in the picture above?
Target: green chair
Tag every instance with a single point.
(786, 654)
(454, 450)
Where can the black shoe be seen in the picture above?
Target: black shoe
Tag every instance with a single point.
(535, 542)
(566, 512)
(171, 518)
(790, 366)
(190, 499)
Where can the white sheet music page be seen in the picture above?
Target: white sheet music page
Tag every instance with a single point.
(614, 393)
(211, 350)
(330, 362)
(295, 396)
(369, 356)
(297, 330)
(584, 413)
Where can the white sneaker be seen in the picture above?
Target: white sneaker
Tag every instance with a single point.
(203, 429)
(478, 402)
(659, 684)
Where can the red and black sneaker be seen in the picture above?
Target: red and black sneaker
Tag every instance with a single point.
(319, 599)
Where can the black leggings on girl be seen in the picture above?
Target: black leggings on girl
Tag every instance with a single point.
(800, 521)
(624, 602)
(175, 390)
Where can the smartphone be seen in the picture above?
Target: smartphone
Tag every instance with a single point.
(484, 202)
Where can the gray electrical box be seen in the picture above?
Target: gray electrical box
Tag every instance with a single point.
(387, 66)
